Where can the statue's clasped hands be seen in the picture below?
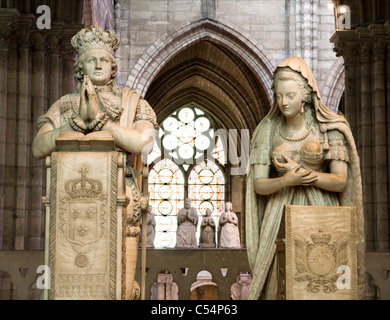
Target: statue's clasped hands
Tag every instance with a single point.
(89, 108)
(89, 118)
(293, 173)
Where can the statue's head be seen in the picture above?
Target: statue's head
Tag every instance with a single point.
(208, 212)
(228, 206)
(287, 74)
(96, 49)
(291, 91)
(187, 203)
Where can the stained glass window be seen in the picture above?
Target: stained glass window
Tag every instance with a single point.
(187, 135)
(184, 137)
(166, 195)
(206, 188)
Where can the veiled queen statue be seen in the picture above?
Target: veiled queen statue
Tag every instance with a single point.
(100, 106)
(303, 154)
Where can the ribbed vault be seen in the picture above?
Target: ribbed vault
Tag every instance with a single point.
(208, 75)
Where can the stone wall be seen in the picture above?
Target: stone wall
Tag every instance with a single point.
(21, 271)
(101, 11)
(277, 28)
(36, 69)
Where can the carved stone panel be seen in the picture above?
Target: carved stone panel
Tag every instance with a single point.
(83, 244)
(321, 254)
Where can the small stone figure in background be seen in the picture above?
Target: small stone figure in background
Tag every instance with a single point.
(151, 228)
(207, 231)
(151, 222)
(229, 236)
(187, 220)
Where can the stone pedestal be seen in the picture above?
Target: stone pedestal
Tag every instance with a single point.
(85, 202)
(164, 288)
(321, 253)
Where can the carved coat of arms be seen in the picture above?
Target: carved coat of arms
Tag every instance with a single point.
(318, 259)
(83, 214)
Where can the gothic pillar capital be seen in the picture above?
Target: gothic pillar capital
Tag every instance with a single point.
(378, 35)
(38, 40)
(24, 28)
(346, 45)
(365, 44)
(7, 25)
(69, 31)
(53, 43)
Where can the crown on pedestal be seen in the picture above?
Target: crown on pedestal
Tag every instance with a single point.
(83, 187)
(321, 238)
(95, 38)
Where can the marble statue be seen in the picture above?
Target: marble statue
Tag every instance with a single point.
(99, 116)
(99, 104)
(151, 225)
(207, 231)
(187, 220)
(302, 153)
(229, 235)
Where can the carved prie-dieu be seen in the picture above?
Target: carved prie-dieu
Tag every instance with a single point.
(321, 253)
(83, 225)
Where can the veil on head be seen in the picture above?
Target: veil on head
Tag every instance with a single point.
(299, 65)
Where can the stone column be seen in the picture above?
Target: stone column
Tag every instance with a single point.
(364, 124)
(378, 35)
(366, 90)
(23, 117)
(10, 128)
(238, 201)
(387, 26)
(68, 60)
(39, 101)
(307, 36)
(298, 28)
(6, 21)
(315, 17)
(54, 67)
(3, 126)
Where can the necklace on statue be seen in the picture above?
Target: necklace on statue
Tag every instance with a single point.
(299, 138)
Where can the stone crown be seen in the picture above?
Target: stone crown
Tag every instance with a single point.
(83, 187)
(95, 38)
(321, 238)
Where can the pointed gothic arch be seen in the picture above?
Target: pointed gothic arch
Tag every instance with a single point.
(230, 78)
(334, 86)
(163, 50)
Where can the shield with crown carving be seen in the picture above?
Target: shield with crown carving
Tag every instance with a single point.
(320, 246)
(83, 216)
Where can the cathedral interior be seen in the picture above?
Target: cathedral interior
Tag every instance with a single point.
(210, 61)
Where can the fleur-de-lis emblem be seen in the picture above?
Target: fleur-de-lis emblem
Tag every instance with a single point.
(75, 213)
(82, 230)
(91, 213)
